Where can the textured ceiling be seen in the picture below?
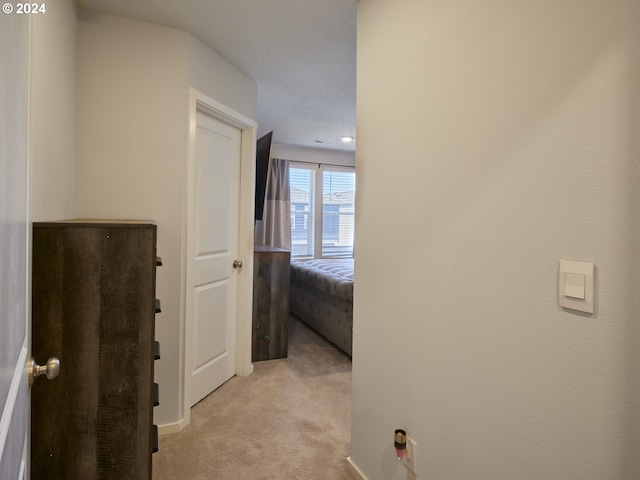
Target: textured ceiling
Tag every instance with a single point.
(301, 53)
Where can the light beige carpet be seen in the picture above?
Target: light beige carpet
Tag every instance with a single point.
(290, 419)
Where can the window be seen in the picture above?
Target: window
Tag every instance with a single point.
(322, 200)
(338, 195)
(303, 193)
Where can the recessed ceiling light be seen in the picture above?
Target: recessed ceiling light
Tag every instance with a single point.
(346, 139)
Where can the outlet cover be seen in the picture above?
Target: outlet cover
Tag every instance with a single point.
(410, 457)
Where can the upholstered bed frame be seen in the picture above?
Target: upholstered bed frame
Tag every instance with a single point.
(321, 295)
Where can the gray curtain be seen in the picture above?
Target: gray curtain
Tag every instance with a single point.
(275, 227)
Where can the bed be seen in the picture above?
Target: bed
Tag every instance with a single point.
(321, 295)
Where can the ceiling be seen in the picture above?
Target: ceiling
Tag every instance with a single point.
(301, 53)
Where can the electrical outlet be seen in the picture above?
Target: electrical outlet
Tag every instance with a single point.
(410, 457)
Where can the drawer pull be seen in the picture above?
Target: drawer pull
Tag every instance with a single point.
(154, 439)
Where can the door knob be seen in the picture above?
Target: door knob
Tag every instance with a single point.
(51, 369)
(237, 264)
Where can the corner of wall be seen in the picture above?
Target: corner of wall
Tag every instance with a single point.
(214, 76)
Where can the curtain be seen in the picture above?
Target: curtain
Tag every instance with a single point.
(275, 227)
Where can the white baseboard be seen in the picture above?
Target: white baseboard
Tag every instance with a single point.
(354, 470)
(170, 428)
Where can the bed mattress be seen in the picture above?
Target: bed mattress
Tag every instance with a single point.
(321, 295)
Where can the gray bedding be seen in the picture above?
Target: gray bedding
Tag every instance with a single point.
(321, 295)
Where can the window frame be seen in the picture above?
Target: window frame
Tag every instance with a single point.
(318, 210)
(311, 236)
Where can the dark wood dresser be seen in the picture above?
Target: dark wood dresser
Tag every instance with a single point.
(270, 303)
(94, 306)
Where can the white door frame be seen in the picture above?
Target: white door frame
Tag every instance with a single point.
(199, 102)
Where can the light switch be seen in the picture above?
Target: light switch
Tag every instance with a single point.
(576, 285)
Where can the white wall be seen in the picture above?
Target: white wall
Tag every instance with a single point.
(218, 79)
(52, 102)
(133, 79)
(494, 139)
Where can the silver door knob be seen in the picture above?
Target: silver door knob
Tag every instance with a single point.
(51, 369)
(237, 264)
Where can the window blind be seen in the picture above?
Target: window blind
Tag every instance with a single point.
(302, 182)
(338, 197)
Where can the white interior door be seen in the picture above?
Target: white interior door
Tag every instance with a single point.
(14, 246)
(212, 280)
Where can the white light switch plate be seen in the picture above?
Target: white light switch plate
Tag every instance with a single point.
(566, 285)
